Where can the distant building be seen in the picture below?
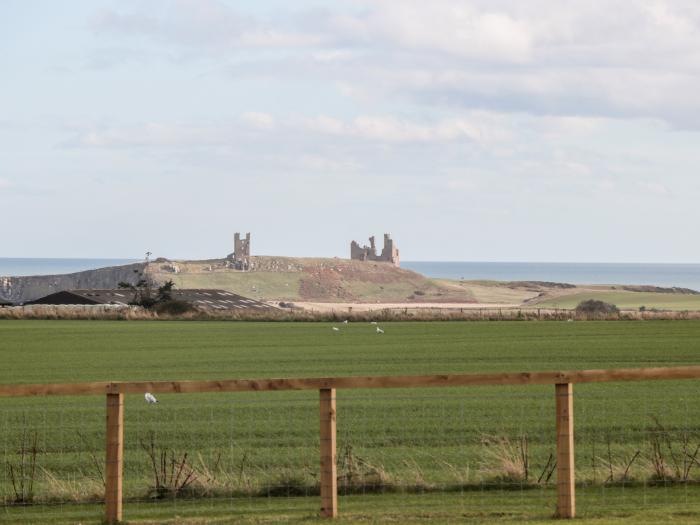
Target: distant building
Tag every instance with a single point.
(390, 253)
(201, 298)
(241, 252)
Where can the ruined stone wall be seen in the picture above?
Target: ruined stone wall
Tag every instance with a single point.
(390, 253)
(358, 253)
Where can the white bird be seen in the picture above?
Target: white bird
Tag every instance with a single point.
(373, 322)
(380, 331)
(345, 322)
(336, 329)
(150, 398)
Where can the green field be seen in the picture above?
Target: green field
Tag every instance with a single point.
(436, 453)
(627, 300)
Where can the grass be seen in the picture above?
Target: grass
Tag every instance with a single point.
(627, 300)
(434, 441)
(630, 507)
(491, 291)
(314, 279)
(283, 286)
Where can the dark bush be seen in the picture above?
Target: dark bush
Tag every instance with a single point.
(174, 307)
(282, 304)
(595, 307)
(146, 302)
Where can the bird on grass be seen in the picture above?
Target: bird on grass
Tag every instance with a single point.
(380, 331)
(150, 398)
(336, 329)
(373, 322)
(345, 322)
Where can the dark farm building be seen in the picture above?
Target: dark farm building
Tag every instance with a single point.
(201, 298)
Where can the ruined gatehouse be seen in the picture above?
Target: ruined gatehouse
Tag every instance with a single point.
(240, 257)
(390, 253)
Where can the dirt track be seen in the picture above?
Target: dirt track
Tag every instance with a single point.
(365, 307)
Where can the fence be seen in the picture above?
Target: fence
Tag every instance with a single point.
(562, 381)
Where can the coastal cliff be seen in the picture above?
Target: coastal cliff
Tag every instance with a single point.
(28, 288)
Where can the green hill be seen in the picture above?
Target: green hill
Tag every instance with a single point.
(311, 279)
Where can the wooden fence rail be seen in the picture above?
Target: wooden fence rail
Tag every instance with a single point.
(564, 417)
(318, 383)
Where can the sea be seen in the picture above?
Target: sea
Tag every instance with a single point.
(15, 267)
(667, 275)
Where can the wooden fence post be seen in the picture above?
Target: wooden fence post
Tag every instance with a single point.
(329, 476)
(115, 458)
(566, 476)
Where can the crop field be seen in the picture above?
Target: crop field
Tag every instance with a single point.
(438, 454)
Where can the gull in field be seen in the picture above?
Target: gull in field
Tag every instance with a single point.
(150, 398)
(380, 331)
(373, 322)
(345, 322)
(336, 329)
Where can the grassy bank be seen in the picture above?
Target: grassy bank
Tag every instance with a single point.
(341, 314)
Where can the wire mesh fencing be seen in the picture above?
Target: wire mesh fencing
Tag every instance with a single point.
(52, 454)
(471, 451)
(638, 445)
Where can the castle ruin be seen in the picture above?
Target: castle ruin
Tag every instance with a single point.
(390, 253)
(241, 252)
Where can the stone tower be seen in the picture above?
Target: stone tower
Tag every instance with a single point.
(241, 251)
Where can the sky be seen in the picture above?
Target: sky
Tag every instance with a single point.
(474, 130)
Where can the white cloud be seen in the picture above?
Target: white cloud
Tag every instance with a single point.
(483, 128)
(259, 120)
(449, 27)
(604, 58)
(654, 188)
(152, 135)
(328, 165)
(389, 129)
(199, 24)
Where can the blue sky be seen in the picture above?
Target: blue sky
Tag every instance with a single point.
(470, 130)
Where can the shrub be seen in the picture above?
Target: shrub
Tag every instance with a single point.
(595, 307)
(172, 473)
(22, 472)
(174, 307)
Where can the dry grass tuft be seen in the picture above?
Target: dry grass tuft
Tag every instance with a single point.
(505, 461)
(85, 490)
(357, 475)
